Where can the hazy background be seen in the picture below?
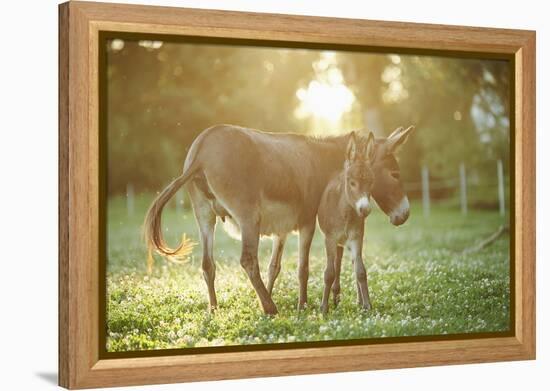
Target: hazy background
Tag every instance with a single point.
(162, 95)
(421, 281)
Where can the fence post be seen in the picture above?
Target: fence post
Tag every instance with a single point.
(130, 199)
(463, 196)
(500, 175)
(426, 191)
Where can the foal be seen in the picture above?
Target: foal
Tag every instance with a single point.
(344, 206)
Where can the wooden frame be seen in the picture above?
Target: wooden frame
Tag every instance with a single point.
(79, 27)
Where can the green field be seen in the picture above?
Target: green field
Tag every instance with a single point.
(420, 284)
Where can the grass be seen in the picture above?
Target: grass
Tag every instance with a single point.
(420, 284)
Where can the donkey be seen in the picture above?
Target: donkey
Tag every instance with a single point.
(387, 191)
(344, 206)
(265, 184)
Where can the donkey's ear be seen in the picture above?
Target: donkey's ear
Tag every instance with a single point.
(369, 147)
(397, 138)
(351, 151)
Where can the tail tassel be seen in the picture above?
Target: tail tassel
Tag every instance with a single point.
(179, 256)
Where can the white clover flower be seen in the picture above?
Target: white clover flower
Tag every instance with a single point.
(218, 342)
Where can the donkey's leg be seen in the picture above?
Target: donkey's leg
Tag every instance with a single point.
(250, 228)
(359, 297)
(332, 254)
(337, 270)
(206, 220)
(360, 273)
(275, 263)
(306, 236)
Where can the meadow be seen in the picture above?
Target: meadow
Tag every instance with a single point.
(420, 282)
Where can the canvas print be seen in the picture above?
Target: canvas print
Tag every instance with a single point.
(262, 195)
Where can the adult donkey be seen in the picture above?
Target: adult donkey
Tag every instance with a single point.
(267, 184)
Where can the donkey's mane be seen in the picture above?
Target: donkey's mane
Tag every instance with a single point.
(310, 137)
(334, 137)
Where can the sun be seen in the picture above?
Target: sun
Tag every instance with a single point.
(326, 97)
(324, 100)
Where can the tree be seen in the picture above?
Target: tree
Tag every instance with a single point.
(156, 109)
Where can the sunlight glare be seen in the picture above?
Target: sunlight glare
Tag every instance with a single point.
(327, 100)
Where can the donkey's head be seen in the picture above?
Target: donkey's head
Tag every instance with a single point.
(388, 190)
(358, 174)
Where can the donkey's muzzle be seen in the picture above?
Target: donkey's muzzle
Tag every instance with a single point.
(400, 214)
(362, 207)
(363, 211)
(398, 220)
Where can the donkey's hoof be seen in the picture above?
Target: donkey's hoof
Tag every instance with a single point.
(323, 309)
(271, 310)
(367, 307)
(302, 306)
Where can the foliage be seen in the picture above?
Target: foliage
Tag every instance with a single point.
(157, 108)
(160, 97)
(420, 284)
(460, 107)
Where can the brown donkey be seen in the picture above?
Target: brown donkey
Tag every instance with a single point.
(344, 206)
(265, 184)
(387, 191)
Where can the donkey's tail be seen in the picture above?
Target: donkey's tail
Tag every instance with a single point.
(152, 230)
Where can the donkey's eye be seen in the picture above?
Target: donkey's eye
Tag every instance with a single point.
(352, 183)
(395, 174)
